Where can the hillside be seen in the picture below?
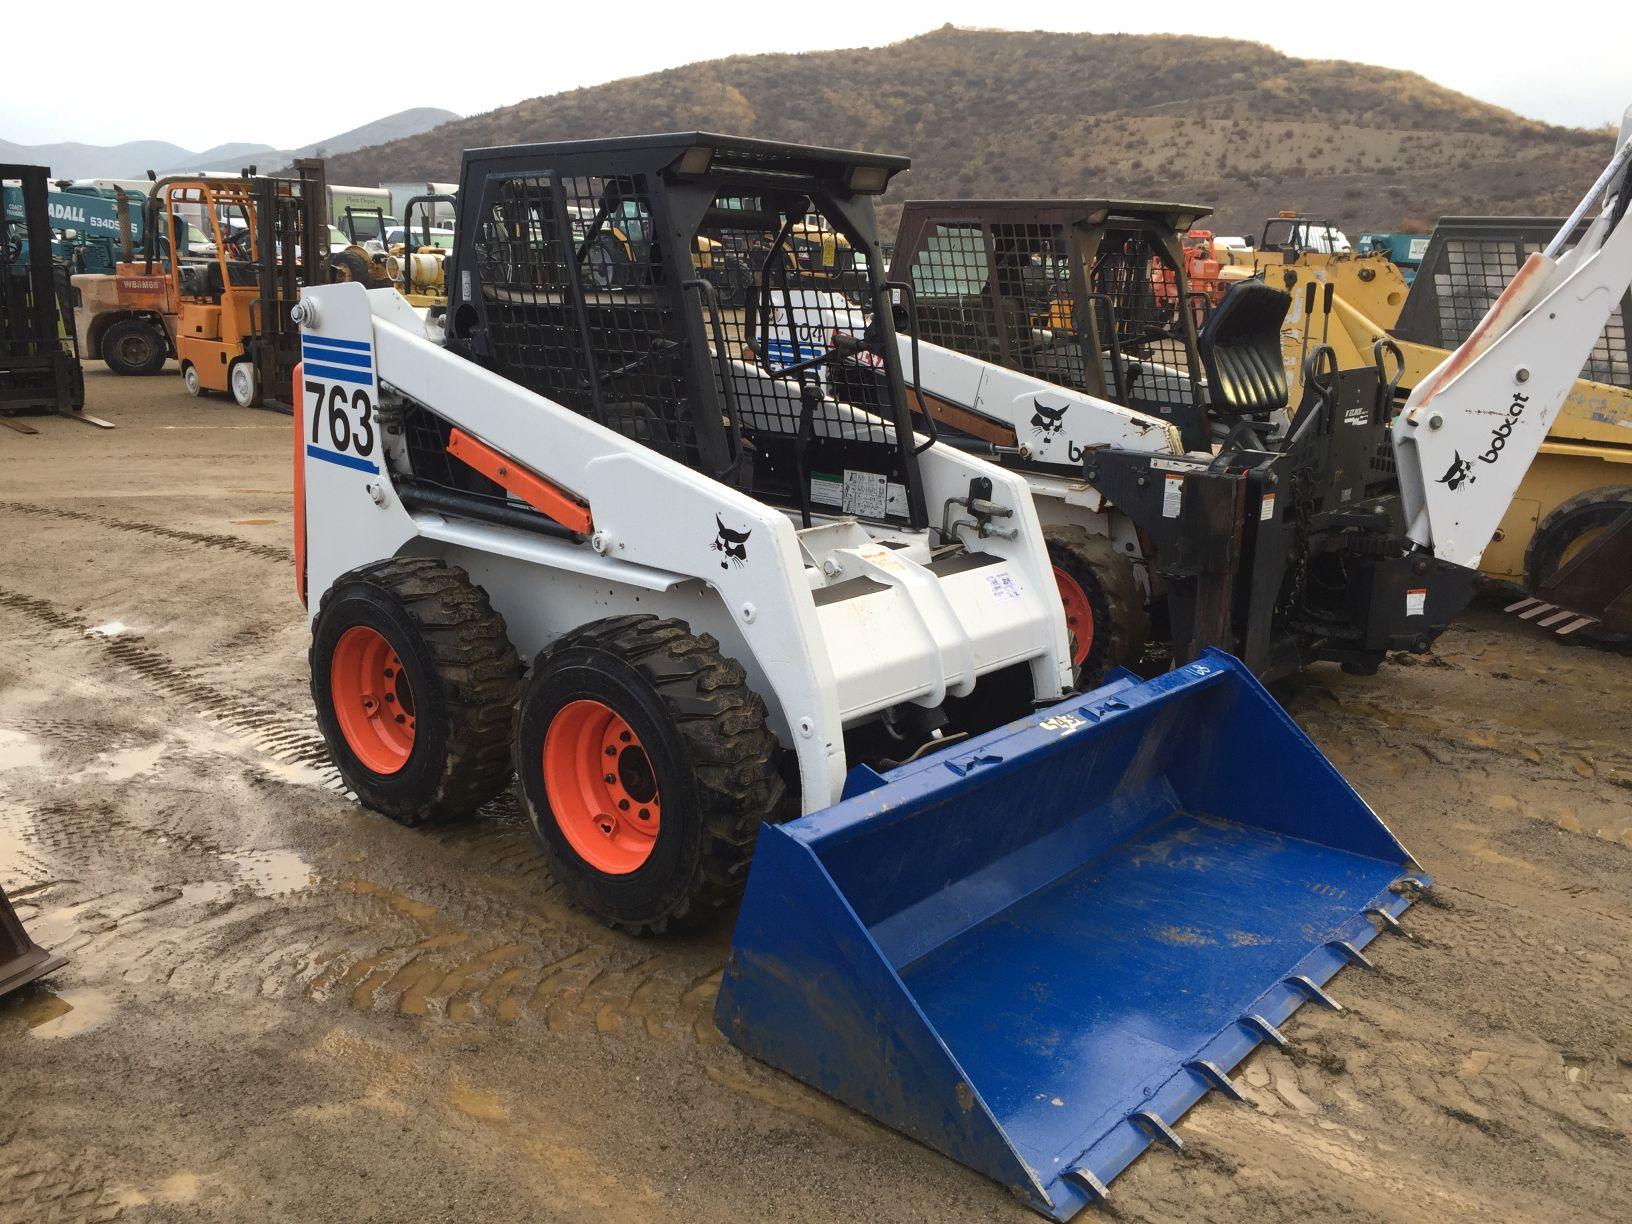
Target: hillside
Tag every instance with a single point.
(1234, 124)
(403, 124)
(71, 159)
(134, 159)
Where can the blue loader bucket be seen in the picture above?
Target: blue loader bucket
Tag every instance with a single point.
(1036, 949)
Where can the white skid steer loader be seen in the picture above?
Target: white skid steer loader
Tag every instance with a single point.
(714, 600)
(1285, 545)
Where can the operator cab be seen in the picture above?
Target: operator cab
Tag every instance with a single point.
(1087, 294)
(1293, 233)
(707, 296)
(208, 226)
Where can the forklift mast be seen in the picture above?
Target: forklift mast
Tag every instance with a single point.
(39, 355)
(292, 247)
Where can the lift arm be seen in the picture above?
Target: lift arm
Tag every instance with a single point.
(1039, 421)
(1470, 430)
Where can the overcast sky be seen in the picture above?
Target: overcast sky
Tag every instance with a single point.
(201, 76)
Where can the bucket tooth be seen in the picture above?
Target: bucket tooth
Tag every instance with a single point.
(1312, 988)
(1409, 886)
(1150, 1121)
(1097, 1188)
(1390, 923)
(1216, 1076)
(1354, 954)
(1265, 1030)
(1037, 950)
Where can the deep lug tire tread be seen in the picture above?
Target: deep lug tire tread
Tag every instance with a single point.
(1121, 624)
(722, 728)
(479, 674)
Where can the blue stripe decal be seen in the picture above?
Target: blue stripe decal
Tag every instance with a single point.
(784, 350)
(325, 342)
(336, 374)
(345, 359)
(345, 461)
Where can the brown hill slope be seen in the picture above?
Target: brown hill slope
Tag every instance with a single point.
(1233, 124)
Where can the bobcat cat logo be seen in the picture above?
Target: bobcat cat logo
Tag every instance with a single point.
(1046, 421)
(1460, 470)
(733, 545)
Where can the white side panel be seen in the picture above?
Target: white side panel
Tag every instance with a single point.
(343, 454)
(536, 614)
(946, 474)
(1054, 424)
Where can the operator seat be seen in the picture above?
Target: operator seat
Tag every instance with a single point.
(1241, 352)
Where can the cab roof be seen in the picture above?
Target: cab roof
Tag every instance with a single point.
(701, 154)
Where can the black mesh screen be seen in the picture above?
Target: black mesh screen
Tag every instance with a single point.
(1468, 279)
(748, 356)
(1001, 292)
(789, 289)
(577, 309)
(1142, 285)
(1469, 274)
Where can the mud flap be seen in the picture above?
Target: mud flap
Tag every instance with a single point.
(21, 959)
(1037, 950)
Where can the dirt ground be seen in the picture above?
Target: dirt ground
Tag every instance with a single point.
(283, 1007)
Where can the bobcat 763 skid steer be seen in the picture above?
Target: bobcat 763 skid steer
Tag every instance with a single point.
(701, 597)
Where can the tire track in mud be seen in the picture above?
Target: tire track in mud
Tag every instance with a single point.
(594, 977)
(509, 960)
(37, 1183)
(1581, 785)
(287, 738)
(489, 940)
(199, 539)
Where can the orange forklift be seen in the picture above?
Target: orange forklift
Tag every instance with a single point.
(223, 260)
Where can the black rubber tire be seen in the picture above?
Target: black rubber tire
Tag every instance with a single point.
(1568, 521)
(351, 265)
(461, 668)
(135, 346)
(706, 736)
(1121, 624)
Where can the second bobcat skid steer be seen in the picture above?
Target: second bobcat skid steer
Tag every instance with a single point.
(1283, 550)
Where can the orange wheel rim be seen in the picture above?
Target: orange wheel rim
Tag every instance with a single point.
(1079, 616)
(601, 786)
(372, 699)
